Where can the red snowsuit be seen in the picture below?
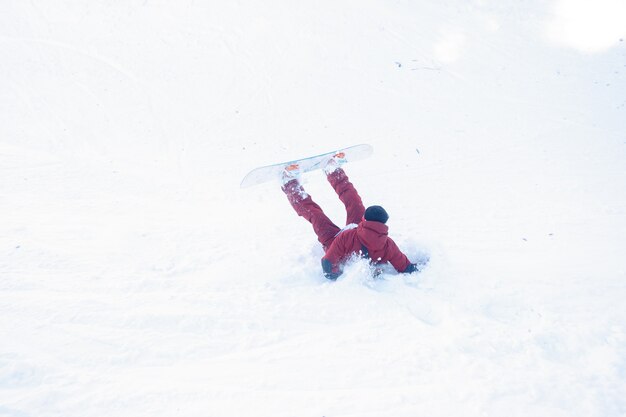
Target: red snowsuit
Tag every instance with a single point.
(369, 237)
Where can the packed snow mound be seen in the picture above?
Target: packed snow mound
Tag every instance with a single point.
(138, 279)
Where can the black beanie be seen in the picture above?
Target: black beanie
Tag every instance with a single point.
(376, 214)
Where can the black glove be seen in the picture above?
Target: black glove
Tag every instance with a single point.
(327, 267)
(331, 276)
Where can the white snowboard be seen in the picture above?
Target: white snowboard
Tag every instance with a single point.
(273, 172)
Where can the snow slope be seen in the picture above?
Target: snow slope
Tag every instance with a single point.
(137, 279)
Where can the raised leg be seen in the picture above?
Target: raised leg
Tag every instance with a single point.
(304, 205)
(348, 195)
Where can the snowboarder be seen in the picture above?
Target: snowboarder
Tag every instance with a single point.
(365, 232)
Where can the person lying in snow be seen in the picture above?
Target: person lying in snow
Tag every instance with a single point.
(365, 232)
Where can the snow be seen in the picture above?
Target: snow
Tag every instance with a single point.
(138, 279)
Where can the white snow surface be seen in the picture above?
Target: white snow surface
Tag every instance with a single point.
(138, 279)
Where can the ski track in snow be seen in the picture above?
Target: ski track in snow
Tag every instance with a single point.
(136, 278)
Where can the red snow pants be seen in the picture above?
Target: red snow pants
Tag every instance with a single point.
(323, 227)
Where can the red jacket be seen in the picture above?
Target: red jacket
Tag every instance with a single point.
(371, 237)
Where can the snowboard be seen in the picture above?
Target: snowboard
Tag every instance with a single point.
(273, 172)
